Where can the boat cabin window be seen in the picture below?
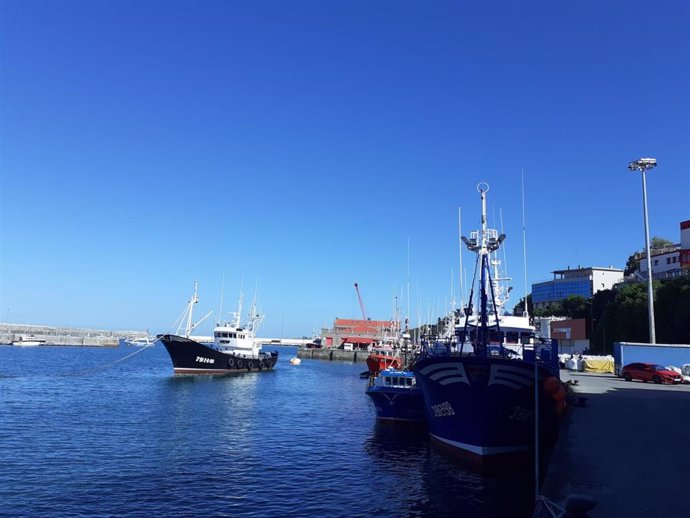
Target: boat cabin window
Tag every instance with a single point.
(495, 336)
(387, 381)
(525, 338)
(512, 337)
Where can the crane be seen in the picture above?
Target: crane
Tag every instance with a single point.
(361, 304)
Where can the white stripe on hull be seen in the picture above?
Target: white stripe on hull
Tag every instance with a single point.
(208, 371)
(483, 451)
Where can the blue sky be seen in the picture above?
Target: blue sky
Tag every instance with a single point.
(299, 145)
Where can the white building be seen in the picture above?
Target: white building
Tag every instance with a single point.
(664, 264)
(668, 262)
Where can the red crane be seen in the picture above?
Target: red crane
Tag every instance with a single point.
(361, 304)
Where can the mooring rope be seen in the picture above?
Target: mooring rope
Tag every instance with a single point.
(107, 365)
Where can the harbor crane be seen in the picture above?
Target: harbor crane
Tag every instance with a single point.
(361, 304)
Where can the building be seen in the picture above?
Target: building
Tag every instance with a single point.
(668, 262)
(685, 243)
(584, 282)
(571, 334)
(358, 334)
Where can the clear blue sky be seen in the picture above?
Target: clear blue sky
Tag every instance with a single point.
(147, 145)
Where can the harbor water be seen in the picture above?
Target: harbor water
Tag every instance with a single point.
(84, 434)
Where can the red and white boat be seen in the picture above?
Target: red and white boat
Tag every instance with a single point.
(383, 358)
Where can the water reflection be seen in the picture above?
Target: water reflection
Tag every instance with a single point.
(428, 482)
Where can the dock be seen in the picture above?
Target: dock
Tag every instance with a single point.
(54, 335)
(332, 354)
(626, 448)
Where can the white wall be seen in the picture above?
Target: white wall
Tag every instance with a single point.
(662, 265)
(605, 279)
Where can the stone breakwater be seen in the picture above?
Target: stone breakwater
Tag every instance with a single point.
(65, 335)
(333, 355)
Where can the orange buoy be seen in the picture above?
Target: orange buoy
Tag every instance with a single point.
(560, 394)
(560, 407)
(551, 384)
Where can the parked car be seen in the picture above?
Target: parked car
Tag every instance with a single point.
(685, 378)
(649, 372)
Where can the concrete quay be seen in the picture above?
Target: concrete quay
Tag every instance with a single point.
(332, 355)
(627, 448)
(65, 335)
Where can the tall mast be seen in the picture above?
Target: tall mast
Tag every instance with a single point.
(407, 318)
(220, 308)
(462, 287)
(525, 311)
(190, 308)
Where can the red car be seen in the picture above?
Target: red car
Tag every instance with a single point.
(650, 372)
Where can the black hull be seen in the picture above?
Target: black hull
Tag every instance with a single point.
(190, 357)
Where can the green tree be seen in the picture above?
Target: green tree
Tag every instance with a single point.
(658, 243)
(624, 319)
(631, 265)
(519, 308)
(574, 306)
(672, 311)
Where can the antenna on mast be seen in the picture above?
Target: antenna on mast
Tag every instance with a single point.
(220, 309)
(407, 318)
(525, 311)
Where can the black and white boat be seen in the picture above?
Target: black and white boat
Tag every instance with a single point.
(233, 348)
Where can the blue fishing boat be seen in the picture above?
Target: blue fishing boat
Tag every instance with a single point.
(480, 399)
(396, 396)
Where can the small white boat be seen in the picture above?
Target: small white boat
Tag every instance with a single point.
(136, 342)
(28, 341)
(295, 361)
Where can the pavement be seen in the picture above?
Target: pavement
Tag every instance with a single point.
(628, 448)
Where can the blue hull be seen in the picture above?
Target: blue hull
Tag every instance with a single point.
(398, 404)
(483, 408)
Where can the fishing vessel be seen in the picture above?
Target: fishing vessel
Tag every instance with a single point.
(396, 396)
(483, 402)
(233, 348)
(381, 358)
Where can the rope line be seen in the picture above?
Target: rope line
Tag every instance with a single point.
(107, 365)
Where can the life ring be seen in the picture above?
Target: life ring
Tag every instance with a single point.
(239, 364)
(231, 363)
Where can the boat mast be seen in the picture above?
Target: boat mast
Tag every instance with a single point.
(190, 310)
(484, 252)
(525, 311)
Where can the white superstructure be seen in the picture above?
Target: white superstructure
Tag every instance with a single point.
(236, 339)
(513, 332)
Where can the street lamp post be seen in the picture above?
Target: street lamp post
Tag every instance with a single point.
(642, 165)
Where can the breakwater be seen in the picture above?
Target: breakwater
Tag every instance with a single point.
(54, 335)
(332, 355)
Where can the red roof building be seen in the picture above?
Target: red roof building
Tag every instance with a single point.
(360, 333)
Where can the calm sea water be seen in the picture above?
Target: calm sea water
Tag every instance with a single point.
(83, 436)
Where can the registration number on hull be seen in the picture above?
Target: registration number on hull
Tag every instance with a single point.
(201, 359)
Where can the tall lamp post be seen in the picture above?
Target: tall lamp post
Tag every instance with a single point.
(642, 165)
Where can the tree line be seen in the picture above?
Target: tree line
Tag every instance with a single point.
(621, 314)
